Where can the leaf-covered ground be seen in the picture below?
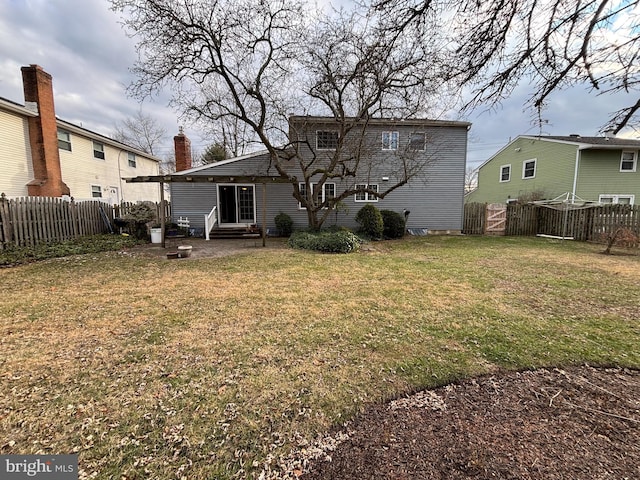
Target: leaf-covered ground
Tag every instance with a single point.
(220, 365)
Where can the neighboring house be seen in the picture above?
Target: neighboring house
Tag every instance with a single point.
(434, 197)
(41, 155)
(603, 169)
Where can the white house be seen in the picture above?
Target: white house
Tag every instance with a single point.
(41, 155)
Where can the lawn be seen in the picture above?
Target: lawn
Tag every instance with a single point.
(215, 368)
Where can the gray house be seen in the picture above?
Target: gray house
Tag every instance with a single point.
(249, 191)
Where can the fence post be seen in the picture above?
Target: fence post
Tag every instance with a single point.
(6, 234)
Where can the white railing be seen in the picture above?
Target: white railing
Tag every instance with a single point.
(210, 221)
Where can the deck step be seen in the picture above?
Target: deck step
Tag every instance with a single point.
(236, 232)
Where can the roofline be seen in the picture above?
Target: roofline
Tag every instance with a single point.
(424, 122)
(14, 107)
(582, 145)
(104, 139)
(222, 162)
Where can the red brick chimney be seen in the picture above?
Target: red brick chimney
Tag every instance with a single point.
(182, 146)
(43, 135)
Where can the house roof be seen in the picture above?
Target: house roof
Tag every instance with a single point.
(590, 142)
(25, 110)
(418, 122)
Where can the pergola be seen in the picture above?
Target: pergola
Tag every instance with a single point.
(162, 179)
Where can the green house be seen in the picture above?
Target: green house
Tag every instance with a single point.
(603, 169)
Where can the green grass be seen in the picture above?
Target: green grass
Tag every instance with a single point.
(212, 368)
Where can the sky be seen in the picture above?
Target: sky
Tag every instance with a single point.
(83, 46)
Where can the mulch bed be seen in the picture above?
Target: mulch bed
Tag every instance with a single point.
(570, 423)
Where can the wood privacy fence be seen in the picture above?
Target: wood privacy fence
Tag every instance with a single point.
(582, 224)
(28, 221)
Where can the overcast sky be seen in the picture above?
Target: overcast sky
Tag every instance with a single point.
(82, 45)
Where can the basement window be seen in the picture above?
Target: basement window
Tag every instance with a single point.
(64, 140)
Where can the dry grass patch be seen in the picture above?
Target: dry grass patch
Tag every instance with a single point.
(213, 368)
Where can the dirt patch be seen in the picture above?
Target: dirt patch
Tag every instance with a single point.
(572, 423)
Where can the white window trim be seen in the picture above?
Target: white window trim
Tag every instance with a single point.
(392, 134)
(367, 196)
(635, 161)
(66, 140)
(535, 168)
(94, 143)
(322, 197)
(99, 187)
(615, 197)
(500, 173)
(135, 160)
(326, 131)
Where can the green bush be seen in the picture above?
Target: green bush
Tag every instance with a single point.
(284, 224)
(341, 241)
(394, 224)
(370, 221)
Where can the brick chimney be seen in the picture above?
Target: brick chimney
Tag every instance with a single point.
(43, 135)
(182, 146)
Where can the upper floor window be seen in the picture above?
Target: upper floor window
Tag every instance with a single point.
(390, 140)
(96, 191)
(98, 150)
(131, 158)
(64, 140)
(529, 169)
(326, 140)
(628, 161)
(505, 173)
(328, 191)
(366, 196)
(417, 141)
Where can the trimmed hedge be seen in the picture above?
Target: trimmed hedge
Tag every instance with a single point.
(370, 221)
(284, 224)
(394, 224)
(341, 241)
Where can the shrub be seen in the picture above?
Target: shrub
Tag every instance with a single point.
(341, 241)
(370, 221)
(137, 218)
(284, 224)
(394, 224)
(620, 237)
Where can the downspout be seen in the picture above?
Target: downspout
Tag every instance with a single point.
(575, 174)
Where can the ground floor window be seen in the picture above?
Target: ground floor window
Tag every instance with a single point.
(617, 199)
(328, 191)
(366, 196)
(96, 191)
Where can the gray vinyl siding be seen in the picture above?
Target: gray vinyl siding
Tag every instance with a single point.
(434, 198)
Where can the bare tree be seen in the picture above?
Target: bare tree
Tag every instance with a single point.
(141, 131)
(470, 179)
(255, 62)
(495, 45)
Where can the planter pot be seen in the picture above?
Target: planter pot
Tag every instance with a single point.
(156, 235)
(184, 251)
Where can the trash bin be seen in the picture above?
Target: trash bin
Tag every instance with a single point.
(156, 235)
